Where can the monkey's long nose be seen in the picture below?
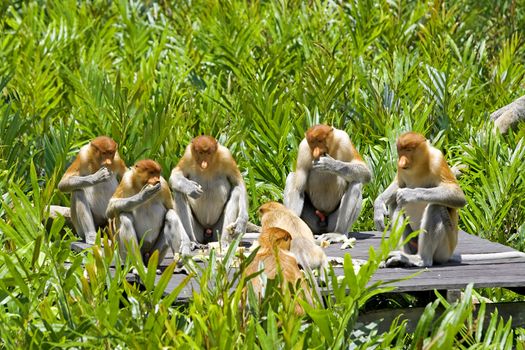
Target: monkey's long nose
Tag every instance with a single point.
(204, 164)
(403, 163)
(316, 153)
(154, 180)
(107, 162)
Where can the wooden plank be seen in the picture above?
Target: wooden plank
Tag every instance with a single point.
(509, 273)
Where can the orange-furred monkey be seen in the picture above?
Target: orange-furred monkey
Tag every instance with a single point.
(143, 209)
(326, 188)
(209, 192)
(92, 179)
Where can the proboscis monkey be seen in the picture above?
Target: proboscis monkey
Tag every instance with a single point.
(326, 188)
(273, 252)
(209, 192)
(143, 209)
(430, 195)
(308, 253)
(92, 179)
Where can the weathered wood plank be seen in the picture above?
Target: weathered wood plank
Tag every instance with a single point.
(508, 273)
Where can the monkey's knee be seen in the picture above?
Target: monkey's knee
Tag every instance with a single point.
(436, 218)
(175, 234)
(349, 208)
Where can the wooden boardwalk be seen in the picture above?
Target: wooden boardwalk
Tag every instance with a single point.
(451, 277)
(508, 273)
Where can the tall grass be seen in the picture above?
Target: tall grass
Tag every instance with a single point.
(152, 74)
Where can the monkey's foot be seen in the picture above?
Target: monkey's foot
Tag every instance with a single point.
(181, 270)
(198, 246)
(334, 237)
(90, 237)
(400, 259)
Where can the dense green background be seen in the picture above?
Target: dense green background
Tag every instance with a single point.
(255, 74)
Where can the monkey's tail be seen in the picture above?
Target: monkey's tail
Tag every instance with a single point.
(486, 256)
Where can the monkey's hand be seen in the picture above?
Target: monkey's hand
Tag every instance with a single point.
(380, 212)
(237, 228)
(192, 189)
(351, 171)
(103, 174)
(149, 191)
(327, 164)
(406, 195)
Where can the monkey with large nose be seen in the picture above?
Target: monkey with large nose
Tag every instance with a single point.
(326, 188)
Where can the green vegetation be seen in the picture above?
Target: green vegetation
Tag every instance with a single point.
(255, 74)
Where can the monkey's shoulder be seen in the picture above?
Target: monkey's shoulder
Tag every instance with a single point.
(85, 162)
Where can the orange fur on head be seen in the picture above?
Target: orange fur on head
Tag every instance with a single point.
(269, 206)
(104, 149)
(319, 138)
(412, 150)
(203, 149)
(147, 171)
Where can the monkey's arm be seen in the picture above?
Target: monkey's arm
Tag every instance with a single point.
(355, 170)
(119, 205)
(165, 191)
(178, 182)
(239, 187)
(447, 195)
(381, 204)
(294, 191)
(72, 182)
(505, 117)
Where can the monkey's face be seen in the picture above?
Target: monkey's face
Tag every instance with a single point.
(319, 138)
(410, 147)
(203, 149)
(147, 172)
(105, 150)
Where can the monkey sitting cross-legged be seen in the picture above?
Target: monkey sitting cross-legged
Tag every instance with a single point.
(143, 209)
(92, 179)
(274, 249)
(209, 192)
(326, 188)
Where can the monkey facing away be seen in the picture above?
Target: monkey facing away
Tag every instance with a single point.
(92, 179)
(274, 249)
(209, 192)
(143, 209)
(303, 246)
(326, 188)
